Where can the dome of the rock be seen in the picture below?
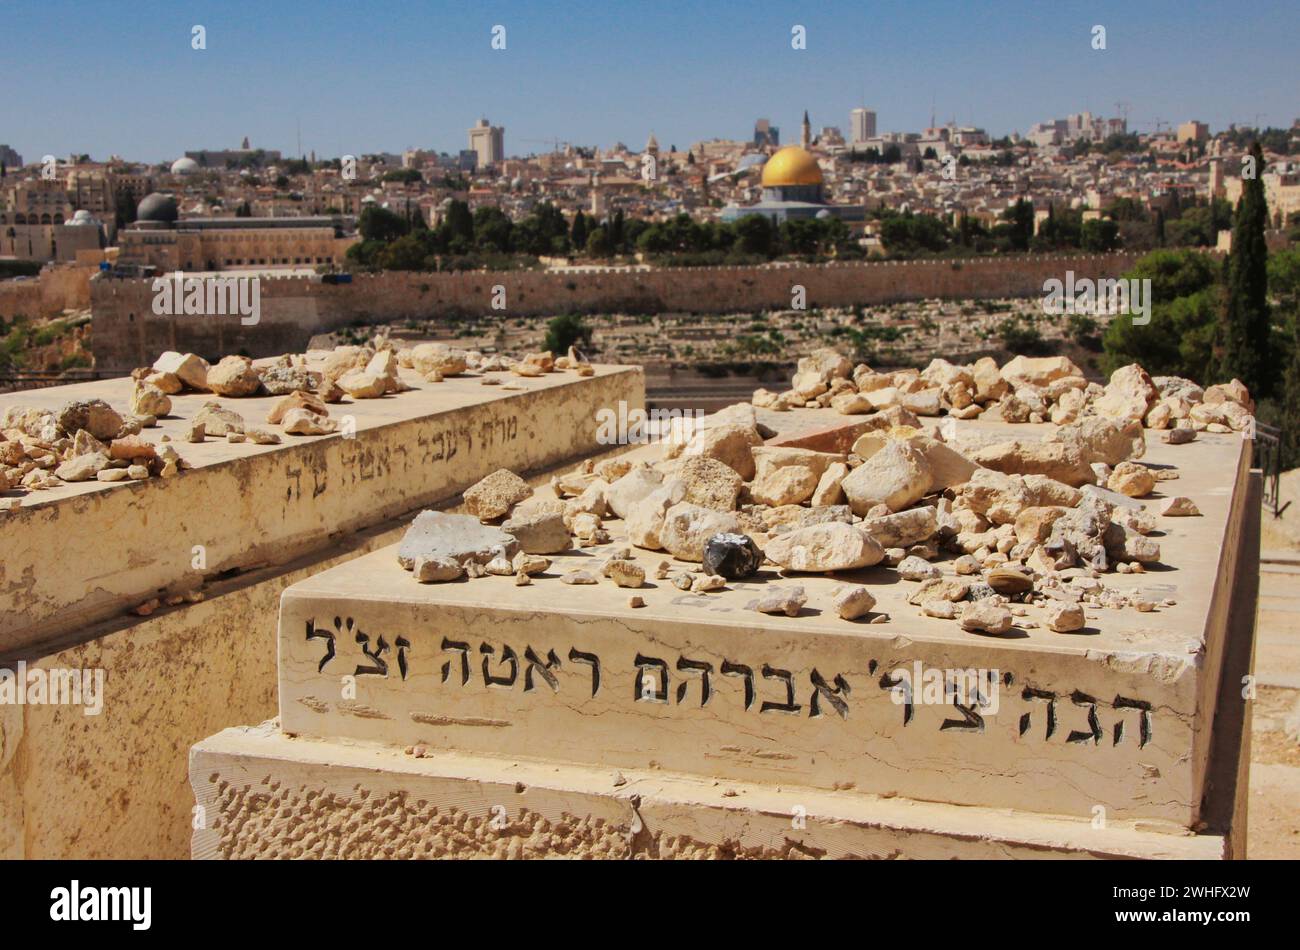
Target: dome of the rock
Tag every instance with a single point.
(791, 166)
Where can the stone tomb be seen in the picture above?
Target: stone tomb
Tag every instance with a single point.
(1106, 731)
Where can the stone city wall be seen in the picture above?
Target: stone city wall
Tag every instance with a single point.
(128, 334)
(59, 287)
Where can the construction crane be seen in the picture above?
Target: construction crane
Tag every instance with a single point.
(555, 143)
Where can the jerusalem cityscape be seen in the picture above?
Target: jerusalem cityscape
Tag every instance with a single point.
(645, 433)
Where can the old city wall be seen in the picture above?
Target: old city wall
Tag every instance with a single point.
(58, 287)
(127, 333)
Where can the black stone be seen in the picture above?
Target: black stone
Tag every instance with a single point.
(732, 556)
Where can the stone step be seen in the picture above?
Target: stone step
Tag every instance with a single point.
(262, 794)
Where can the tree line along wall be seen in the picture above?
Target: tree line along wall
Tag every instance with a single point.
(128, 334)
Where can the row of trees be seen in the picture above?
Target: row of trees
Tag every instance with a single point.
(1216, 321)
(402, 241)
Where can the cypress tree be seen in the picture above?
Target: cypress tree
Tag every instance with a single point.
(1244, 326)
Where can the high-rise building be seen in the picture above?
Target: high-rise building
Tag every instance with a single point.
(765, 133)
(862, 125)
(488, 141)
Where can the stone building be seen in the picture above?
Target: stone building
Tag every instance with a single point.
(159, 238)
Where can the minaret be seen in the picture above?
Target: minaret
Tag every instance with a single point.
(806, 139)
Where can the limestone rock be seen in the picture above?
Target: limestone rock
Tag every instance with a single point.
(289, 377)
(903, 528)
(1103, 440)
(788, 602)
(82, 467)
(218, 421)
(896, 476)
(296, 400)
(829, 490)
(384, 366)
(1131, 479)
(852, 602)
(262, 436)
(731, 556)
(190, 369)
(360, 384)
(1179, 506)
(1056, 460)
(825, 547)
(687, 528)
(626, 573)
(772, 458)
(631, 488)
(529, 564)
(791, 485)
(917, 569)
(132, 448)
(852, 404)
(539, 529)
(1037, 371)
(432, 569)
(1065, 618)
(1128, 395)
(578, 576)
(1034, 524)
(731, 444)
(942, 609)
(989, 384)
(149, 400)
(493, 496)
(83, 443)
(428, 358)
(94, 415)
(234, 376)
(710, 483)
(984, 616)
(306, 422)
(436, 534)
(645, 521)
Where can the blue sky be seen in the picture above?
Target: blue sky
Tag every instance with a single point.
(120, 77)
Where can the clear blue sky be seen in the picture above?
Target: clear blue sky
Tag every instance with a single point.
(120, 77)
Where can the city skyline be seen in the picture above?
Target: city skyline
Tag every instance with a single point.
(421, 75)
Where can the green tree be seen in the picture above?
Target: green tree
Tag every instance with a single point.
(598, 243)
(380, 224)
(755, 234)
(578, 234)
(564, 331)
(1243, 338)
(1099, 235)
(1021, 218)
(458, 225)
(1184, 302)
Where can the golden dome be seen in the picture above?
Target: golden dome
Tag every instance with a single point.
(791, 166)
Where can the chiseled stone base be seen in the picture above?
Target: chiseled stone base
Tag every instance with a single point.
(262, 794)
